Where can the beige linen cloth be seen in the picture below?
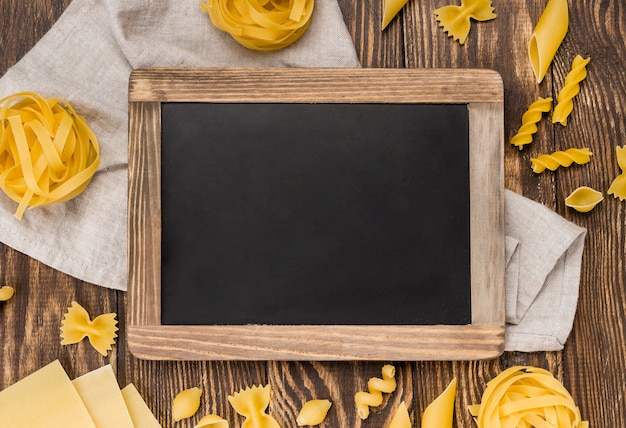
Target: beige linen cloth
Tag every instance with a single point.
(86, 59)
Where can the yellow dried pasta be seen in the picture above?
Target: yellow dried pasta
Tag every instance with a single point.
(212, 421)
(6, 292)
(526, 396)
(186, 403)
(547, 37)
(48, 154)
(77, 325)
(584, 199)
(529, 122)
(391, 9)
(251, 403)
(401, 418)
(313, 412)
(560, 158)
(261, 24)
(456, 20)
(439, 413)
(375, 387)
(618, 185)
(571, 87)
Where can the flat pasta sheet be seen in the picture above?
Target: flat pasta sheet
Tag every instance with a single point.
(285, 214)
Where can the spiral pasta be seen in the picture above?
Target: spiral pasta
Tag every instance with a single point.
(560, 158)
(526, 396)
(571, 87)
(529, 122)
(375, 388)
(456, 20)
(48, 153)
(618, 185)
(261, 24)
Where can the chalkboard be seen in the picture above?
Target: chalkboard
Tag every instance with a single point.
(364, 206)
(315, 214)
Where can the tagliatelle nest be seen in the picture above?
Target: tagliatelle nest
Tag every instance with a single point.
(48, 153)
(261, 24)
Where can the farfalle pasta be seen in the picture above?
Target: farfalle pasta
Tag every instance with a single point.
(456, 20)
(618, 185)
(261, 24)
(571, 87)
(560, 158)
(77, 325)
(439, 413)
(530, 118)
(526, 396)
(548, 36)
(48, 154)
(251, 404)
(375, 389)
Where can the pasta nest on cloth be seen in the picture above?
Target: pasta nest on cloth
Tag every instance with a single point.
(48, 153)
(261, 24)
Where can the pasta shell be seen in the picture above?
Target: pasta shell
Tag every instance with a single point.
(211, 421)
(6, 293)
(313, 412)
(186, 403)
(584, 199)
(401, 418)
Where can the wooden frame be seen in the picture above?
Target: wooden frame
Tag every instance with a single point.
(482, 90)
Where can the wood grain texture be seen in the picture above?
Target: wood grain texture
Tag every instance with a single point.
(593, 362)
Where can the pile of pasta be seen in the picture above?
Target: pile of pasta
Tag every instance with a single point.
(48, 154)
(261, 24)
(526, 396)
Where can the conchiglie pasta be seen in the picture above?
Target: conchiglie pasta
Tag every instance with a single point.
(313, 412)
(186, 403)
(212, 421)
(6, 292)
(584, 199)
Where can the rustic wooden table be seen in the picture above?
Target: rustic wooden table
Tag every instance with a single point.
(593, 363)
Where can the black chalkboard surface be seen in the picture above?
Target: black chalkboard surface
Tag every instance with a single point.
(315, 214)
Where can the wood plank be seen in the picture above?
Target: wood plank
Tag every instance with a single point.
(321, 85)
